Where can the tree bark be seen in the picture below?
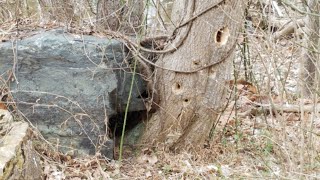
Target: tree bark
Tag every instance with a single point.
(191, 102)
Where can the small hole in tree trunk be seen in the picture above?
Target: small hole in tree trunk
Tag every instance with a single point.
(186, 102)
(177, 88)
(196, 62)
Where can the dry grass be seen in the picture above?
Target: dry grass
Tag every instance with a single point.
(251, 141)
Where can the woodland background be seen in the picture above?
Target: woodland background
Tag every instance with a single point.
(270, 127)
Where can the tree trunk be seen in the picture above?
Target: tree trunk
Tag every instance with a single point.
(190, 102)
(310, 72)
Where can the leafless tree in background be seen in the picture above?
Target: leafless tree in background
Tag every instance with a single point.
(310, 71)
(123, 16)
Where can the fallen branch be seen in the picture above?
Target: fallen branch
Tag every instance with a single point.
(289, 28)
(292, 107)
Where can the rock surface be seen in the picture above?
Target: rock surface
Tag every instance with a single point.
(18, 159)
(67, 86)
(11, 155)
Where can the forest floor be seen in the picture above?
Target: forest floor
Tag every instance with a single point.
(267, 131)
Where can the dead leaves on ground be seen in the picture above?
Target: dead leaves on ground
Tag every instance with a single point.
(246, 98)
(3, 106)
(249, 108)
